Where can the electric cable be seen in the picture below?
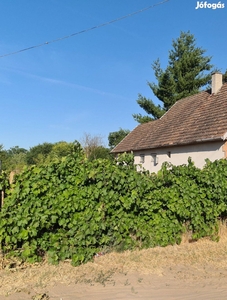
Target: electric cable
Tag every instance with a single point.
(85, 30)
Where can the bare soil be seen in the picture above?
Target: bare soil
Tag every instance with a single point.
(188, 271)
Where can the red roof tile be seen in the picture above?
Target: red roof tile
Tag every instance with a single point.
(194, 119)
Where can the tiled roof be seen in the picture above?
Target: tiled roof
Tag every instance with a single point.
(198, 118)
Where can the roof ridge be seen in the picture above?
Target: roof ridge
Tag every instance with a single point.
(194, 119)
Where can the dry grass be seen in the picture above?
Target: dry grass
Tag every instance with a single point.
(198, 258)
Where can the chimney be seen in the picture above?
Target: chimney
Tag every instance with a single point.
(216, 82)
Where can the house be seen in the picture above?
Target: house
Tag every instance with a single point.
(195, 127)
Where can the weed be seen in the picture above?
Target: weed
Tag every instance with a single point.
(133, 290)
(41, 297)
(103, 278)
(127, 282)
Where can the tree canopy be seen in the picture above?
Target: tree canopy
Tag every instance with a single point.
(94, 148)
(16, 158)
(115, 137)
(225, 77)
(39, 153)
(187, 72)
(3, 158)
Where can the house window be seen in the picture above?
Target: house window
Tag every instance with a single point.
(142, 158)
(154, 158)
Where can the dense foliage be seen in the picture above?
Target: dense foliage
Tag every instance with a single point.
(183, 76)
(116, 137)
(225, 77)
(4, 185)
(16, 158)
(94, 148)
(74, 208)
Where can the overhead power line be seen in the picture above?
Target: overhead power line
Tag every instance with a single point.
(85, 30)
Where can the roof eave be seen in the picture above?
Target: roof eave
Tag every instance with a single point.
(213, 139)
(224, 137)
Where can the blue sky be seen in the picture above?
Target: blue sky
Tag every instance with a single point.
(89, 83)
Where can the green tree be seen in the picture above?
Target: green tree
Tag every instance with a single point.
(17, 162)
(187, 72)
(39, 153)
(93, 146)
(4, 158)
(99, 152)
(16, 150)
(115, 137)
(47, 152)
(12, 159)
(225, 77)
(17, 158)
(59, 150)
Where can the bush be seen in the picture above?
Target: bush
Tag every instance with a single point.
(74, 208)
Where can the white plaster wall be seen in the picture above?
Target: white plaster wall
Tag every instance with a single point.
(179, 155)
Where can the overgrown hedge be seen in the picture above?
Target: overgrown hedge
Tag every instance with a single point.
(73, 208)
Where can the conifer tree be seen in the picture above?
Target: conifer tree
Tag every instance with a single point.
(116, 137)
(225, 77)
(187, 72)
